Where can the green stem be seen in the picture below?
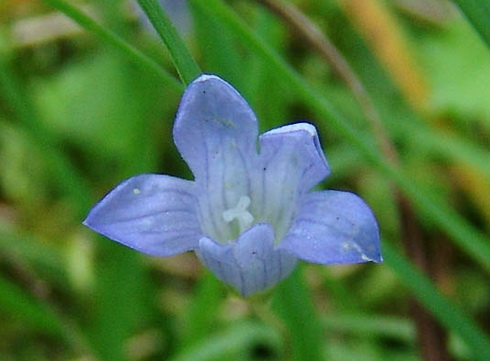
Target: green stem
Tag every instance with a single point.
(115, 41)
(184, 62)
(292, 303)
(478, 13)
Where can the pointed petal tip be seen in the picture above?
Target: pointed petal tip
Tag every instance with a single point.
(206, 77)
(86, 222)
(154, 214)
(90, 220)
(303, 126)
(216, 84)
(334, 227)
(378, 258)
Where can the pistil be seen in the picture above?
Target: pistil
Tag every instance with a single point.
(240, 213)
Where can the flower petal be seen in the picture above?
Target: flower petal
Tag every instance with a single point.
(251, 264)
(334, 227)
(211, 116)
(216, 133)
(154, 214)
(291, 162)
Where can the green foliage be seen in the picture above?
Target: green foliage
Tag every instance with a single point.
(184, 63)
(478, 13)
(79, 112)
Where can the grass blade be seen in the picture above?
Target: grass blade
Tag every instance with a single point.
(439, 306)
(184, 62)
(292, 302)
(115, 41)
(478, 13)
(64, 173)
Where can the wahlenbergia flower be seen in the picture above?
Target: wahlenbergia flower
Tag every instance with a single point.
(250, 213)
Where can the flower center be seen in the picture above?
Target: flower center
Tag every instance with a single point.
(240, 214)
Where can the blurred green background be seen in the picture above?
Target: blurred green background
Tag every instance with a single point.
(82, 108)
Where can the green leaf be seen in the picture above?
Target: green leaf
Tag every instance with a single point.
(119, 300)
(64, 173)
(457, 65)
(17, 303)
(217, 57)
(292, 302)
(450, 316)
(478, 13)
(209, 297)
(227, 345)
(33, 251)
(115, 41)
(39, 316)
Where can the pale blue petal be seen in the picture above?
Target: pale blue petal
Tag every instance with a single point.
(334, 227)
(211, 115)
(291, 162)
(216, 133)
(294, 148)
(251, 264)
(154, 214)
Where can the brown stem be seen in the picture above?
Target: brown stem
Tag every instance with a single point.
(431, 336)
(318, 41)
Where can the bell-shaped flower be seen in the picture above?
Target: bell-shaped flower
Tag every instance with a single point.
(250, 214)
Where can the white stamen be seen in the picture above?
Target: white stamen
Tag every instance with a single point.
(240, 213)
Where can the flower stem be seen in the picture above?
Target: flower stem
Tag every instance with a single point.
(184, 62)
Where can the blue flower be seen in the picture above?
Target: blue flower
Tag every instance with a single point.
(250, 213)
